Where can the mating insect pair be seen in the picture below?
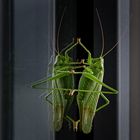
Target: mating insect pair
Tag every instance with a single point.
(89, 85)
(89, 88)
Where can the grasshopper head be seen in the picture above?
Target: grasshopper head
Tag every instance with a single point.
(61, 60)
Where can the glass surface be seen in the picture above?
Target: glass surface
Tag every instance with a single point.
(33, 43)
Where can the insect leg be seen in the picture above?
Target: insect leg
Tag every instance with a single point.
(37, 84)
(93, 78)
(102, 95)
(79, 42)
(47, 96)
(75, 123)
(104, 105)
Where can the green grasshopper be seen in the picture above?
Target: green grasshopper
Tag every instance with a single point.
(89, 87)
(61, 100)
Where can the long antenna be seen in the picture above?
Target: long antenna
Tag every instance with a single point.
(59, 28)
(123, 35)
(102, 32)
(111, 49)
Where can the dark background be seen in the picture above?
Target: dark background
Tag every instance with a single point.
(80, 20)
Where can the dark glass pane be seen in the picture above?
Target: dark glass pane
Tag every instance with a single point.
(80, 20)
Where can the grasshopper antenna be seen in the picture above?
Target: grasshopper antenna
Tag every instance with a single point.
(102, 32)
(123, 35)
(59, 28)
(103, 55)
(111, 49)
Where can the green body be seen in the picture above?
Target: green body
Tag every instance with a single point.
(60, 98)
(87, 101)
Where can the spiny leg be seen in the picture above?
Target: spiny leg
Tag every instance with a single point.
(47, 96)
(106, 100)
(72, 91)
(61, 74)
(104, 105)
(62, 70)
(78, 41)
(93, 78)
(37, 84)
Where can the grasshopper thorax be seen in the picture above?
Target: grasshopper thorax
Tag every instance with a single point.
(98, 62)
(62, 60)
